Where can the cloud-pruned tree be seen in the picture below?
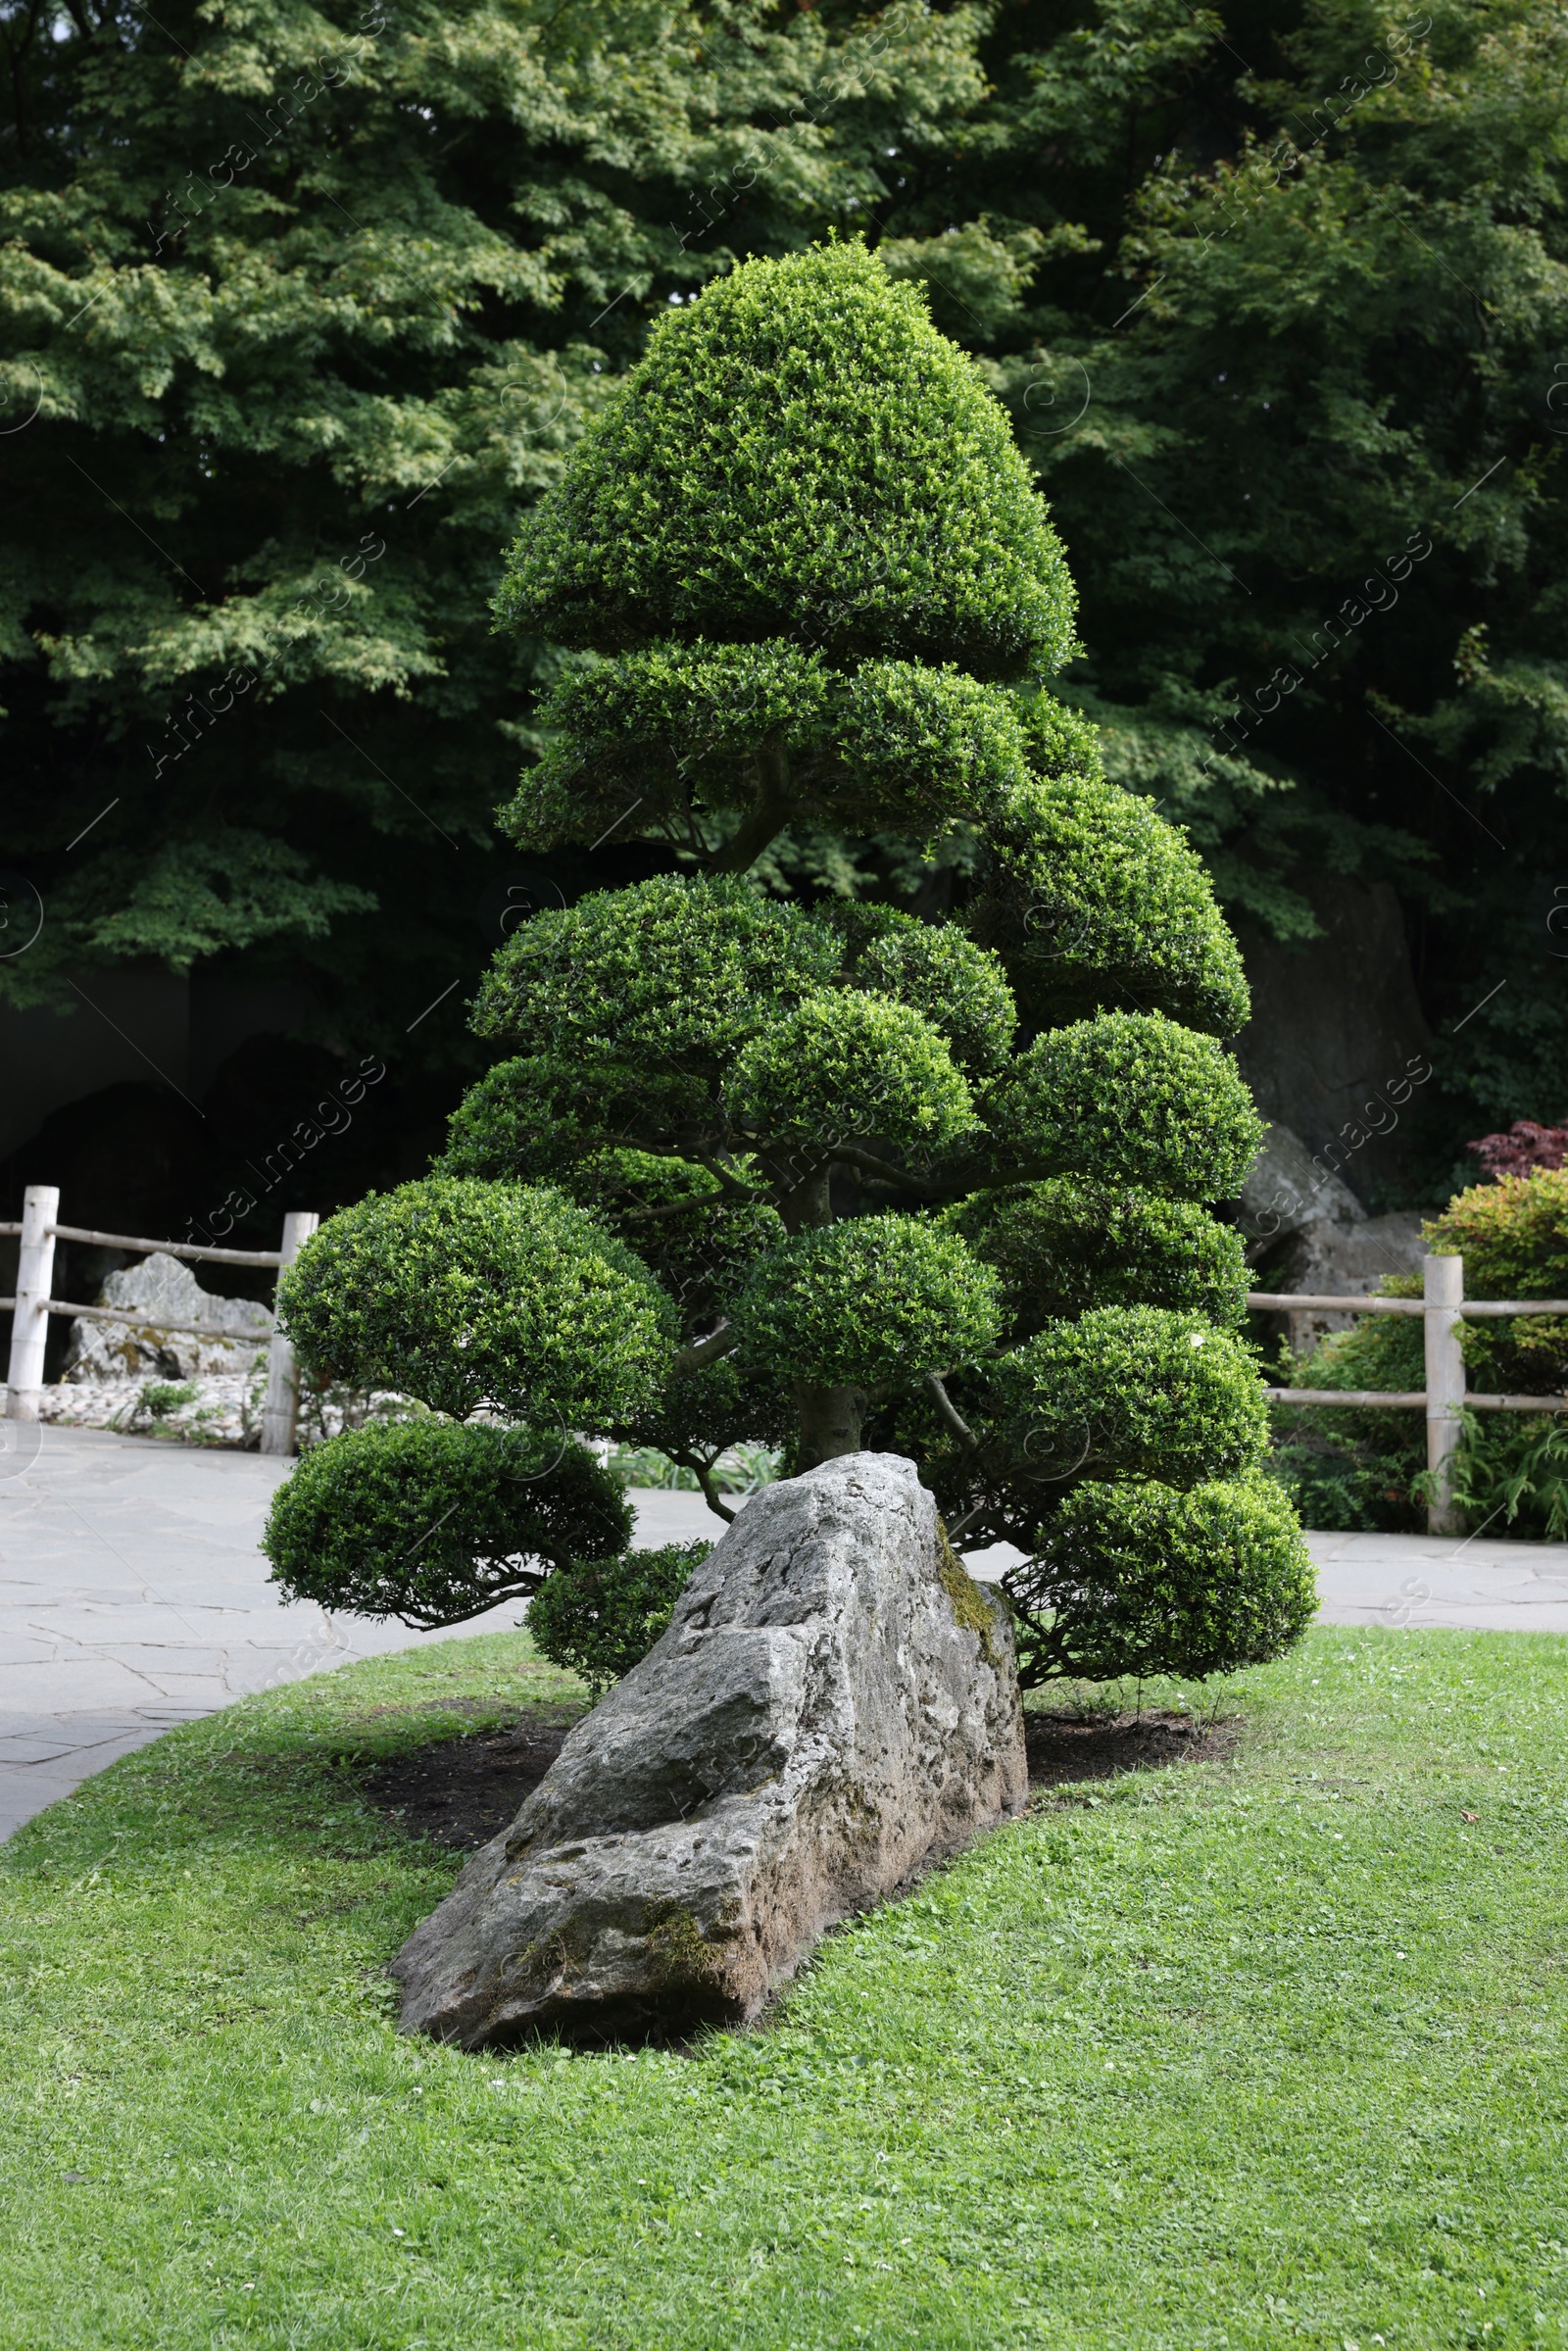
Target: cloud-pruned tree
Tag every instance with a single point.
(835, 1177)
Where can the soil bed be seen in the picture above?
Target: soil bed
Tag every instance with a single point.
(1095, 1746)
(462, 1792)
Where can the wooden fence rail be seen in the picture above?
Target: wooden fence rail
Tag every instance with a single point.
(30, 1308)
(1443, 1306)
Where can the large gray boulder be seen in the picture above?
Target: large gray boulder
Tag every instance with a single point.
(1338, 1260)
(834, 1707)
(163, 1290)
(1286, 1188)
(1338, 1036)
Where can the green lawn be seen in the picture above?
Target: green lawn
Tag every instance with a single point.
(1257, 2052)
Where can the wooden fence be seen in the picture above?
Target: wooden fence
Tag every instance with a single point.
(39, 1230)
(1443, 1307)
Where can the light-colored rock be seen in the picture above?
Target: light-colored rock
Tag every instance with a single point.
(834, 1707)
(166, 1290)
(1286, 1191)
(1339, 1261)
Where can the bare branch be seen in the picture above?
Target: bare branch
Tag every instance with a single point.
(731, 1182)
(673, 1207)
(705, 1478)
(712, 1350)
(849, 1155)
(951, 1413)
(703, 1472)
(957, 1186)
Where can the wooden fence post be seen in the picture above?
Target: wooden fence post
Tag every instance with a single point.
(280, 1411)
(1443, 1286)
(29, 1323)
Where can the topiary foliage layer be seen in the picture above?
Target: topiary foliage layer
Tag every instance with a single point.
(434, 1521)
(599, 1618)
(824, 1175)
(801, 442)
(465, 1295)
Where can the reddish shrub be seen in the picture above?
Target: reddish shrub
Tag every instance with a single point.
(1523, 1149)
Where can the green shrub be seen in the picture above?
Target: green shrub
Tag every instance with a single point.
(1367, 1469)
(1513, 1237)
(524, 1119)
(961, 988)
(698, 1239)
(1130, 1392)
(902, 521)
(927, 745)
(668, 977)
(846, 1066)
(695, 1238)
(1134, 1099)
(671, 723)
(600, 1618)
(1140, 1580)
(1345, 1468)
(1060, 1246)
(434, 1520)
(875, 1303)
(1510, 1474)
(1343, 1483)
(465, 1294)
(1094, 902)
(1059, 741)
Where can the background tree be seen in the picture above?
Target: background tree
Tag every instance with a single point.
(1265, 294)
(870, 1212)
(298, 307)
(1297, 322)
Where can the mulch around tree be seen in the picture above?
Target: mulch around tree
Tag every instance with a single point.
(1063, 1747)
(460, 1792)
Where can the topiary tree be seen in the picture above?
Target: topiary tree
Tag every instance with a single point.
(858, 1179)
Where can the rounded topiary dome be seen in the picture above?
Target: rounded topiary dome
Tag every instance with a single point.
(800, 450)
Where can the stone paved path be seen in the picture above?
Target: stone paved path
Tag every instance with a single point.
(132, 1595)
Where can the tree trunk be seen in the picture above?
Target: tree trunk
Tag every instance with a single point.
(829, 1422)
(766, 820)
(828, 1418)
(806, 1201)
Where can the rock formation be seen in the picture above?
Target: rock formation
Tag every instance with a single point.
(833, 1708)
(1306, 1230)
(1342, 1261)
(1337, 1028)
(1287, 1189)
(168, 1292)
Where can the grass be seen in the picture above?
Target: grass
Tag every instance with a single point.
(1256, 2052)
